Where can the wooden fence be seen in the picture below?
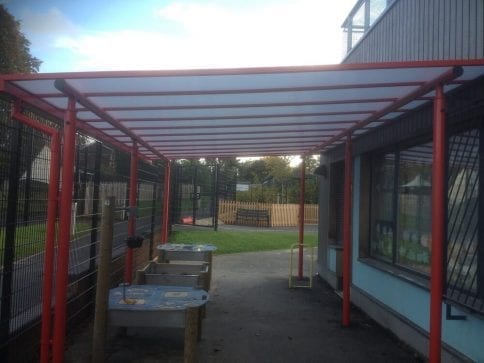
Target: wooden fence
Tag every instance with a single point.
(280, 215)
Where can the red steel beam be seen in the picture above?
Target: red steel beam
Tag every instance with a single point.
(211, 126)
(229, 155)
(64, 87)
(347, 232)
(52, 200)
(215, 151)
(237, 117)
(445, 77)
(133, 189)
(244, 71)
(233, 147)
(329, 87)
(438, 225)
(268, 138)
(245, 105)
(302, 184)
(43, 106)
(68, 154)
(45, 341)
(213, 144)
(166, 204)
(246, 132)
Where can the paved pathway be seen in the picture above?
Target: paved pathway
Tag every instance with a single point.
(253, 316)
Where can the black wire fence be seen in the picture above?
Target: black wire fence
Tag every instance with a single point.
(464, 208)
(100, 171)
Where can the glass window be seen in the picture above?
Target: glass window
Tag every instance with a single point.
(383, 186)
(401, 207)
(401, 212)
(414, 207)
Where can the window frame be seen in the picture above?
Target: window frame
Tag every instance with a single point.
(415, 276)
(397, 149)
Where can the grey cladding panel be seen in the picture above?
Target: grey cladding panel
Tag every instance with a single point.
(424, 30)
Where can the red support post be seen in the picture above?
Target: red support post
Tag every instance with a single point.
(64, 231)
(302, 187)
(133, 189)
(166, 204)
(50, 234)
(347, 233)
(438, 226)
(49, 249)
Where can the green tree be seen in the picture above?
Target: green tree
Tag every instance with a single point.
(15, 54)
(279, 168)
(15, 57)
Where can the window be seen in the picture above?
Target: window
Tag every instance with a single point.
(463, 216)
(414, 207)
(400, 207)
(401, 211)
(382, 226)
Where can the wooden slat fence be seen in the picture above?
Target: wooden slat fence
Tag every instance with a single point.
(281, 215)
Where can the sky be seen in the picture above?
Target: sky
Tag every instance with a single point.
(93, 35)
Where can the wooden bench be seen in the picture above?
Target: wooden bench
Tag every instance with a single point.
(253, 216)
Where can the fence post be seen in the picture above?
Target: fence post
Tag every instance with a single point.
(95, 206)
(103, 277)
(153, 212)
(133, 188)
(216, 196)
(165, 223)
(68, 153)
(10, 230)
(28, 175)
(195, 193)
(302, 187)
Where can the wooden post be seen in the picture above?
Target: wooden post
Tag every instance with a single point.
(103, 277)
(191, 335)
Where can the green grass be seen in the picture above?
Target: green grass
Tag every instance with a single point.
(242, 241)
(30, 239)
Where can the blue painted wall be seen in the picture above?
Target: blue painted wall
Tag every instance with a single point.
(409, 300)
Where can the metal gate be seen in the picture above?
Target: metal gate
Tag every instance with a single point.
(197, 188)
(194, 191)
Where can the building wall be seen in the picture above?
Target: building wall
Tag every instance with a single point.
(424, 30)
(411, 30)
(407, 298)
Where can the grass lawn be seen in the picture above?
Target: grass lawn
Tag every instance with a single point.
(242, 241)
(30, 239)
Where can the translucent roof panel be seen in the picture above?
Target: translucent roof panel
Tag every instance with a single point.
(240, 112)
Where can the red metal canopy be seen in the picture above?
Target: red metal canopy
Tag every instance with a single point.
(240, 112)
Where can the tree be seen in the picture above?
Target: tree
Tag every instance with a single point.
(278, 167)
(15, 57)
(15, 54)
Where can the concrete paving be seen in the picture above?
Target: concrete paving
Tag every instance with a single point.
(253, 316)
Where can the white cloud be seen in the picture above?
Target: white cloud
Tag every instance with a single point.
(211, 35)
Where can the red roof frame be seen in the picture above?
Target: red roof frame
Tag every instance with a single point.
(174, 114)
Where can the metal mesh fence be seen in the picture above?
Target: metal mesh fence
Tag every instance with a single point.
(463, 219)
(24, 178)
(100, 171)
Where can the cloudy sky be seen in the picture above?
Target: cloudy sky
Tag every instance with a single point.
(87, 35)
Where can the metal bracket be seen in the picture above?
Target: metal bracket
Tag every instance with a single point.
(450, 316)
